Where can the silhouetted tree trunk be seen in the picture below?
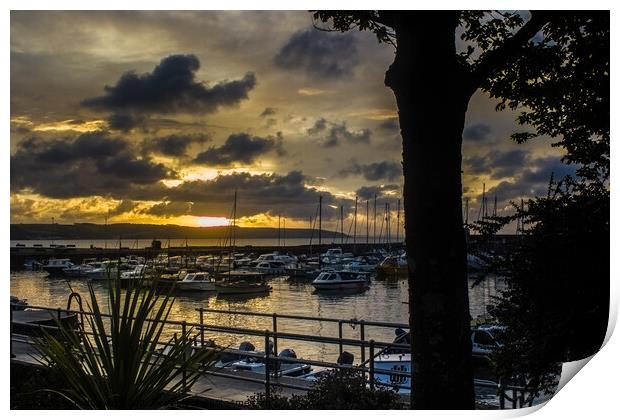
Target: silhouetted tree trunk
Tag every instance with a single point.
(432, 101)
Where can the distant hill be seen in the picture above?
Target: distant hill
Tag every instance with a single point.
(144, 231)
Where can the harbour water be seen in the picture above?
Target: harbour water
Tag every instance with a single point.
(385, 300)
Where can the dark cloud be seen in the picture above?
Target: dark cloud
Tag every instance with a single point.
(369, 192)
(531, 182)
(124, 206)
(320, 55)
(390, 125)
(91, 164)
(499, 164)
(335, 133)
(266, 193)
(240, 148)
(340, 132)
(171, 87)
(123, 122)
(319, 125)
(545, 166)
(267, 112)
(476, 132)
(169, 209)
(174, 145)
(375, 171)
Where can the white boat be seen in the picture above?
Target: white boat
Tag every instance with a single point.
(104, 270)
(283, 368)
(397, 363)
(54, 266)
(340, 280)
(78, 270)
(361, 264)
(270, 267)
(140, 271)
(197, 282)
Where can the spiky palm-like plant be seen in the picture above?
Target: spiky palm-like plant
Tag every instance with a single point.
(113, 362)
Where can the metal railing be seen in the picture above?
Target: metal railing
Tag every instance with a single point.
(271, 361)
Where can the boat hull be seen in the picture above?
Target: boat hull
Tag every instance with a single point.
(245, 289)
(196, 286)
(341, 285)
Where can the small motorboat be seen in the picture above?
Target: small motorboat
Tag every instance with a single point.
(281, 368)
(361, 264)
(393, 265)
(81, 270)
(340, 280)
(55, 266)
(104, 270)
(18, 304)
(196, 282)
(32, 265)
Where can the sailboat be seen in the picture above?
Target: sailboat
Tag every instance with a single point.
(239, 281)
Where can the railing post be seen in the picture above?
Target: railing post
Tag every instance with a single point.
(363, 338)
(275, 333)
(267, 373)
(340, 337)
(58, 319)
(372, 364)
(202, 330)
(184, 340)
(11, 332)
(502, 396)
(514, 398)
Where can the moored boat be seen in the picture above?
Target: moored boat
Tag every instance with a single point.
(241, 281)
(55, 266)
(340, 280)
(197, 282)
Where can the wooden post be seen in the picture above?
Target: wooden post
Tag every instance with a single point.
(340, 337)
(362, 338)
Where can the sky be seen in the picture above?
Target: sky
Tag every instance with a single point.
(160, 116)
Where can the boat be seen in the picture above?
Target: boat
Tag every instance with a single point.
(32, 265)
(55, 266)
(78, 270)
(393, 265)
(361, 264)
(104, 270)
(340, 280)
(240, 282)
(197, 282)
(281, 368)
(18, 304)
(269, 267)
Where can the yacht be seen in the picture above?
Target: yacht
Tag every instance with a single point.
(197, 282)
(393, 265)
(55, 266)
(340, 280)
(104, 270)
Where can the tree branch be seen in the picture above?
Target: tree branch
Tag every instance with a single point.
(489, 61)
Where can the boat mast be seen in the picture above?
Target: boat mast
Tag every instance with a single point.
(355, 225)
(341, 225)
(398, 222)
(367, 222)
(374, 229)
(320, 221)
(234, 225)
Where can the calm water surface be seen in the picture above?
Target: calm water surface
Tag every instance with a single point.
(385, 300)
